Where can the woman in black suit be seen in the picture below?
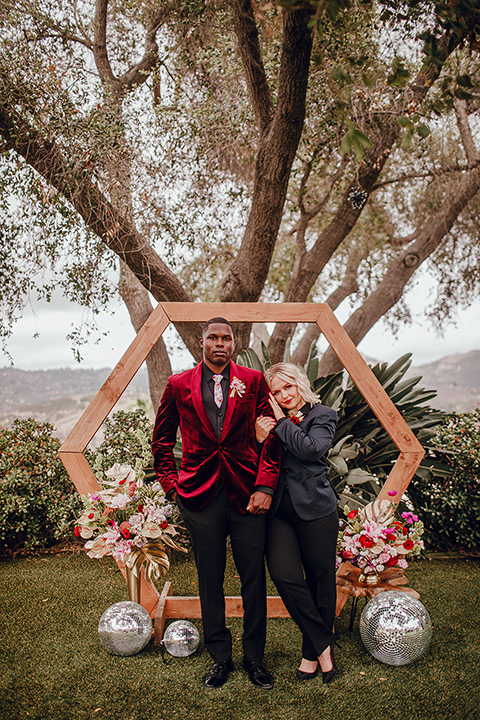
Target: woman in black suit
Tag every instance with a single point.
(303, 520)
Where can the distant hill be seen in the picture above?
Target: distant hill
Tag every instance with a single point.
(456, 379)
(60, 396)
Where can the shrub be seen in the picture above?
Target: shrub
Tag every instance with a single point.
(39, 502)
(446, 489)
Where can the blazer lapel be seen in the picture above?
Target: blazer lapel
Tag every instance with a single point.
(232, 401)
(198, 402)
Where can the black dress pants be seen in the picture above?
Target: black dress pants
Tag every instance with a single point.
(209, 529)
(301, 561)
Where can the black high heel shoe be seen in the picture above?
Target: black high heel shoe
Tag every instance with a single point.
(329, 675)
(302, 675)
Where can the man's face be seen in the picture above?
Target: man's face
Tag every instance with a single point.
(218, 345)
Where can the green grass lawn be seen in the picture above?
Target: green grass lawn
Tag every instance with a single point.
(53, 665)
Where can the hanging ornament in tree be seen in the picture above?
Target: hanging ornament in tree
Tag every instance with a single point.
(357, 197)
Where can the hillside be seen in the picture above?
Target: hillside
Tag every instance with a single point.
(456, 379)
(60, 396)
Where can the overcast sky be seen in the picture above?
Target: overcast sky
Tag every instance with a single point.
(53, 321)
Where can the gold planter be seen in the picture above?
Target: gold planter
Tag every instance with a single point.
(369, 578)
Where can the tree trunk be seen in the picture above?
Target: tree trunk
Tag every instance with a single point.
(348, 286)
(139, 308)
(280, 131)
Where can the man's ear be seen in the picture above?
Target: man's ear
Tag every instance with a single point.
(200, 340)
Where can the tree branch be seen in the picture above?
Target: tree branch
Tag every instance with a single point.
(390, 289)
(249, 49)
(473, 155)
(99, 215)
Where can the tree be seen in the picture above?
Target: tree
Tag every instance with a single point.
(238, 121)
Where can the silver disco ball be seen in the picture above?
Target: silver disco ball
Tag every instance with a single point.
(395, 628)
(125, 628)
(181, 638)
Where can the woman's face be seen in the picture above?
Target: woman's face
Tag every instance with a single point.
(286, 394)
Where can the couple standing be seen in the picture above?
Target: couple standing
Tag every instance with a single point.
(234, 434)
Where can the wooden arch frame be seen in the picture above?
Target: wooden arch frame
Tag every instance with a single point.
(72, 450)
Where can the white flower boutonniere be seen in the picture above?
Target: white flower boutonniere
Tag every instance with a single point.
(237, 387)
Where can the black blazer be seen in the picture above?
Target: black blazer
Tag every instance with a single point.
(304, 466)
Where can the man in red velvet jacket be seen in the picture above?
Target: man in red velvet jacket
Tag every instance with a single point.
(224, 488)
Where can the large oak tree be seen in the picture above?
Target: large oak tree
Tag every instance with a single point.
(288, 151)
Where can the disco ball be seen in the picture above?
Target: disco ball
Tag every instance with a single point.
(181, 638)
(125, 628)
(395, 628)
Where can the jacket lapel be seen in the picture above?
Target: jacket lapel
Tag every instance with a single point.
(198, 402)
(232, 401)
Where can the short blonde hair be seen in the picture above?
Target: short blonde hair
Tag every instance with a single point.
(290, 373)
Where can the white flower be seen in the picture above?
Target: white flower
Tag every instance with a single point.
(118, 502)
(121, 472)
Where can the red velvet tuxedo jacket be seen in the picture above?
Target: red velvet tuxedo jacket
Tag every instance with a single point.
(234, 459)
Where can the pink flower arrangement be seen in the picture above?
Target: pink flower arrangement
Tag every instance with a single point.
(128, 520)
(373, 540)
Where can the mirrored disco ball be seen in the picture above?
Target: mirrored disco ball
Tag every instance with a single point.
(395, 628)
(125, 628)
(181, 638)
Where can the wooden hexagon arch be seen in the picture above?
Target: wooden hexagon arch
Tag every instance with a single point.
(72, 450)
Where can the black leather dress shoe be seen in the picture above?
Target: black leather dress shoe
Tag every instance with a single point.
(218, 674)
(258, 675)
(303, 675)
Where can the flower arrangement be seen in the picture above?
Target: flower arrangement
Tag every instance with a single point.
(373, 539)
(237, 387)
(130, 521)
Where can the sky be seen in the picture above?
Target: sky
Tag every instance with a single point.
(39, 340)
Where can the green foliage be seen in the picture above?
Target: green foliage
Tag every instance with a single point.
(126, 440)
(446, 489)
(362, 452)
(39, 503)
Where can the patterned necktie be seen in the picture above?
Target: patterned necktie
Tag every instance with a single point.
(217, 390)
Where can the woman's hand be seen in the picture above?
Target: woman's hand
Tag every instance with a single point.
(263, 425)
(277, 410)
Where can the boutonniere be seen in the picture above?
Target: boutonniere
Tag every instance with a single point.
(296, 417)
(237, 387)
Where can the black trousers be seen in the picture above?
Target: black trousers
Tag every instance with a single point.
(209, 530)
(301, 561)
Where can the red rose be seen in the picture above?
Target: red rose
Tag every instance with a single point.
(164, 525)
(347, 555)
(90, 516)
(352, 514)
(392, 561)
(408, 544)
(77, 531)
(366, 541)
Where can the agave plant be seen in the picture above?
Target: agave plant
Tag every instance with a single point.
(362, 452)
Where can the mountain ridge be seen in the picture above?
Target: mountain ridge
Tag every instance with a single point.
(59, 396)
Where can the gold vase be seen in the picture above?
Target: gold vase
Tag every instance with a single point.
(133, 582)
(369, 578)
